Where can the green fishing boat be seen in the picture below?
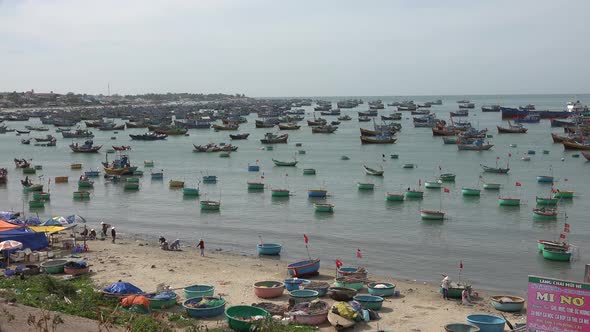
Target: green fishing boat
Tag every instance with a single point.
(137, 173)
(224, 155)
(132, 180)
(491, 186)
(255, 186)
(41, 196)
(547, 201)
(549, 244)
(365, 186)
(309, 171)
(131, 186)
(190, 191)
(280, 193)
(344, 158)
(148, 163)
(545, 214)
(432, 215)
(559, 255)
(210, 205)
(36, 203)
(29, 170)
(447, 177)
(432, 184)
(506, 201)
(85, 184)
(414, 194)
(285, 163)
(81, 194)
(563, 194)
(323, 207)
(301, 151)
(394, 197)
(470, 192)
(408, 165)
(33, 187)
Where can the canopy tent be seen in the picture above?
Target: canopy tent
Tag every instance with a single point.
(47, 229)
(8, 215)
(29, 238)
(5, 225)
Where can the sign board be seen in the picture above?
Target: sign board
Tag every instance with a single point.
(558, 305)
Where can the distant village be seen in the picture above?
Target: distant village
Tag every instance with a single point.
(35, 99)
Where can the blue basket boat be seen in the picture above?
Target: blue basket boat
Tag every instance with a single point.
(383, 289)
(253, 168)
(321, 193)
(303, 295)
(304, 268)
(271, 249)
(545, 179)
(292, 284)
(487, 323)
(205, 312)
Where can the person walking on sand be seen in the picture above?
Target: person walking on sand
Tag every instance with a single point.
(446, 284)
(113, 233)
(105, 228)
(201, 246)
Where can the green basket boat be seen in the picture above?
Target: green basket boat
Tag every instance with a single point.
(156, 303)
(224, 155)
(323, 207)
(506, 201)
(210, 205)
(447, 177)
(85, 184)
(456, 290)
(190, 191)
(414, 194)
(280, 193)
(394, 197)
(132, 180)
(546, 201)
(33, 187)
(432, 215)
(239, 317)
(255, 186)
(432, 184)
(470, 192)
(131, 186)
(309, 171)
(563, 194)
(545, 214)
(557, 255)
(81, 194)
(365, 186)
(491, 186)
(148, 163)
(41, 196)
(137, 173)
(36, 203)
(29, 170)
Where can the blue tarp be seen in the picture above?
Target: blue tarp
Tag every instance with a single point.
(32, 221)
(30, 239)
(122, 287)
(7, 215)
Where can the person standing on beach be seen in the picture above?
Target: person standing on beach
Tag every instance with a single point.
(201, 246)
(113, 233)
(446, 284)
(105, 228)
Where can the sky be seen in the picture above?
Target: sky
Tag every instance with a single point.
(296, 48)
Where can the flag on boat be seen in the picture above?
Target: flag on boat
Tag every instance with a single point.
(562, 236)
(510, 155)
(358, 253)
(305, 238)
(338, 263)
(461, 264)
(497, 158)
(566, 228)
(518, 184)
(447, 190)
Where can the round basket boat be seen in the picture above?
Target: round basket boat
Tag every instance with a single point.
(352, 272)
(320, 287)
(76, 271)
(487, 323)
(369, 301)
(204, 312)
(161, 303)
(382, 289)
(268, 289)
(316, 318)
(239, 317)
(54, 266)
(303, 295)
(294, 283)
(460, 327)
(341, 293)
(195, 291)
(29, 270)
(349, 283)
(507, 303)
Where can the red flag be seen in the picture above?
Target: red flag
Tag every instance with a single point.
(510, 155)
(338, 263)
(447, 190)
(518, 184)
(305, 238)
(566, 228)
(562, 236)
(358, 253)
(419, 182)
(497, 158)
(461, 264)
(262, 176)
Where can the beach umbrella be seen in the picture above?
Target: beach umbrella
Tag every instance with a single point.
(10, 245)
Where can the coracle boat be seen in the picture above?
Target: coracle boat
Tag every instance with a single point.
(323, 207)
(414, 194)
(239, 136)
(432, 184)
(507, 303)
(81, 194)
(497, 170)
(86, 148)
(317, 193)
(491, 186)
(547, 201)
(563, 194)
(270, 249)
(447, 177)
(545, 179)
(255, 185)
(309, 171)
(470, 192)
(284, 163)
(41, 196)
(378, 140)
(554, 254)
(542, 244)
(85, 183)
(506, 201)
(372, 171)
(545, 214)
(270, 138)
(190, 191)
(34, 203)
(157, 175)
(394, 197)
(280, 193)
(210, 205)
(432, 215)
(304, 268)
(176, 184)
(365, 186)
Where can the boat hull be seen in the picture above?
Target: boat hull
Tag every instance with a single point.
(414, 194)
(564, 194)
(269, 249)
(432, 185)
(470, 192)
(190, 191)
(394, 197)
(365, 186)
(491, 186)
(557, 255)
(545, 179)
(280, 193)
(447, 177)
(432, 215)
(509, 201)
(546, 201)
(317, 193)
(329, 208)
(304, 268)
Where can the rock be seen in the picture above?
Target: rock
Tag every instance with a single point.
(153, 266)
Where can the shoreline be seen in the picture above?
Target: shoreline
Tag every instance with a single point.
(144, 264)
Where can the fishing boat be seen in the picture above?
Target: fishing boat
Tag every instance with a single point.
(79, 133)
(255, 185)
(270, 249)
(512, 129)
(110, 126)
(280, 193)
(542, 244)
(323, 129)
(29, 170)
(289, 126)
(148, 163)
(432, 184)
(491, 186)
(554, 254)
(121, 148)
(309, 171)
(460, 113)
(25, 141)
(506, 201)
(149, 136)
(157, 175)
(75, 166)
(317, 193)
(120, 166)
(85, 183)
(284, 163)
(378, 140)
(130, 185)
(531, 118)
(31, 187)
(545, 179)
(373, 133)
(545, 213)
(447, 177)
(478, 145)
(176, 184)
(323, 207)
(81, 194)
(432, 215)
(547, 201)
(497, 170)
(365, 186)
(41, 195)
(470, 192)
(270, 138)
(47, 138)
(36, 203)
(239, 136)
(586, 155)
(491, 108)
(563, 194)
(394, 197)
(304, 268)
(372, 171)
(21, 163)
(210, 205)
(210, 178)
(414, 194)
(171, 131)
(92, 174)
(345, 118)
(264, 124)
(86, 148)
(23, 131)
(190, 191)
(569, 145)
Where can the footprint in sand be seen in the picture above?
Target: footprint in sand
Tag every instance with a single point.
(423, 307)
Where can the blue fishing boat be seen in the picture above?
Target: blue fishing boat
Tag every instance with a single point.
(157, 175)
(92, 174)
(210, 178)
(304, 268)
(270, 249)
(321, 193)
(253, 168)
(544, 179)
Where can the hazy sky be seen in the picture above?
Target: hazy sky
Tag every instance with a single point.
(296, 48)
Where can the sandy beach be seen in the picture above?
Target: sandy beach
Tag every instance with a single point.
(145, 265)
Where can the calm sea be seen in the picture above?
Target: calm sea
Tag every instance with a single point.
(496, 244)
